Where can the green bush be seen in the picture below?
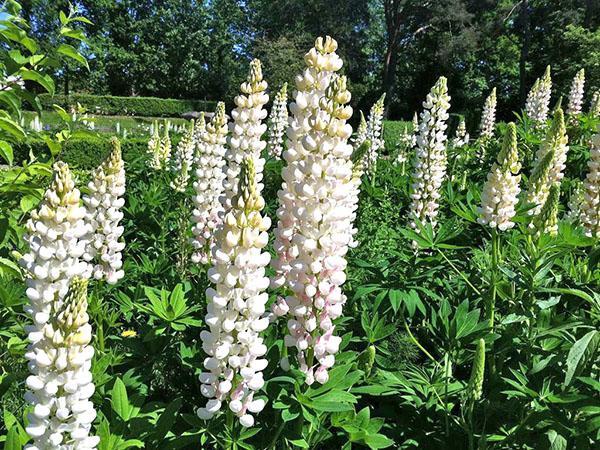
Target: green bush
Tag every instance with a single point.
(392, 130)
(130, 106)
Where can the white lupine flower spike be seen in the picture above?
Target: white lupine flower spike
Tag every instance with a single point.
(538, 100)
(462, 137)
(104, 212)
(590, 208)
(236, 306)
(320, 176)
(154, 147)
(500, 192)
(245, 132)
(431, 159)
(488, 117)
(576, 94)
(208, 185)
(183, 160)
(374, 135)
(278, 122)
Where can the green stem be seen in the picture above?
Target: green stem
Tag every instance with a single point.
(471, 437)
(417, 343)
(462, 275)
(273, 443)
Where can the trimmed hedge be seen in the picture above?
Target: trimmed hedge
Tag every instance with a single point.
(127, 106)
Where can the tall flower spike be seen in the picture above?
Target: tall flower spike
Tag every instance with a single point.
(361, 132)
(154, 148)
(208, 185)
(475, 386)
(323, 231)
(374, 135)
(538, 100)
(278, 122)
(321, 62)
(462, 137)
(165, 147)
(595, 104)
(236, 306)
(431, 161)
(547, 220)
(103, 205)
(590, 209)
(245, 132)
(576, 94)
(500, 192)
(548, 170)
(415, 129)
(575, 201)
(199, 130)
(183, 160)
(488, 117)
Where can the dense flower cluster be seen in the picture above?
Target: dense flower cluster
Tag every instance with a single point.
(183, 160)
(245, 132)
(538, 99)
(208, 185)
(546, 222)
(431, 161)
(319, 185)
(374, 135)
(236, 306)
(595, 104)
(590, 208)
(576, 94)
(154, 147)
(103, 205)
(278, 122)
(488, 117)
(60, 384)
(361, 132)
(575, 202)
(550, 163)
(501, 190)
(462, 136)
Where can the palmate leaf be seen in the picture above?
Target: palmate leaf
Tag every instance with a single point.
(580, 354)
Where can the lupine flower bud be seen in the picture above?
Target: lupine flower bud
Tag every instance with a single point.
(550, 163)
(595, 104)
(538, 100)
(361, 132)
(576, 94)
(236, 306)
(462, 137)
(209, 185)
(431, 161)
(246, 132)
(488, 117)
(374, 134)
(475, 386)
(590, 208)
(315, 217)
(501, 190)
(103, 205)
(278, 122)
(183, 160)
(547, 220)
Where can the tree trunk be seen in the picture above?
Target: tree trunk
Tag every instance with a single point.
(525, 42)
(389, 73)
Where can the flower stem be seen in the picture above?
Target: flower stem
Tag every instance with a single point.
(462, 275)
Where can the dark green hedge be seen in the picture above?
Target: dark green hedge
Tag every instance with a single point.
(127, 106)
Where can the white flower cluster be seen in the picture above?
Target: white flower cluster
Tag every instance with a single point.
(590, 209)
(374, 135)
(431, 160)
(595, 104)
(321, 62)
(546, 222)
(488, 117)
(246, 132)
(154, 147)
(405, 144)
(501, 190)
(103, 205)
(575, 202)
(361, 132)
(538, 99)
(278, 122)
(462, 137)
(236, 307)
(183, 160)
(60, 385)
(550, 163)
(576, 94)
(319, 180)
(208, 185)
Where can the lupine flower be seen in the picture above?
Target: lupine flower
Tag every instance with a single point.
(245, 132)
(278, 122)
(103, 206)
(183, 160)
(405, 144)
(475, 386)
(590, 214)
(488, 117)
(415, 129)
(547, 220)
(431, 161)
(547, 169)
(321, 62)
(500, 192)
(209, 185)
(575, 202)
(538, 100)
(374, 134)
(462, 137)
(236, 306)
(361, 132)
(60, 384)
(154, 148)
(165, 147)
(576, 94)
(595, 104)
(323, 232)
